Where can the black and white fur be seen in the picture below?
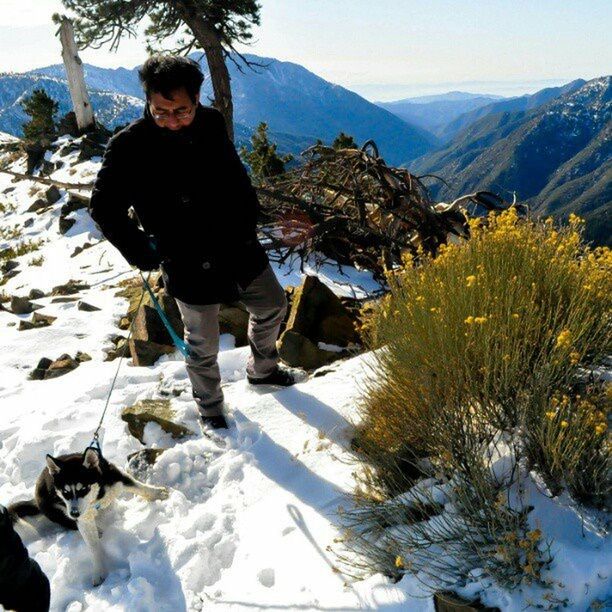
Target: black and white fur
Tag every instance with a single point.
(73, 488)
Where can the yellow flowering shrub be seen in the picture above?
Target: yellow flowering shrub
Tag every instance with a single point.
(482, 329)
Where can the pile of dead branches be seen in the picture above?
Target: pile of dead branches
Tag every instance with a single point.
(347, 206)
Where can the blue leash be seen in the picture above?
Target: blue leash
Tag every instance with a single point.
(178, 342)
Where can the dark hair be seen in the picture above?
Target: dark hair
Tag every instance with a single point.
(165, 73)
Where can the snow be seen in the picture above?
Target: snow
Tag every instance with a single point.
(252, 517)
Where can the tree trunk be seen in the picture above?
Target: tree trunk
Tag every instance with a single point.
(76, 78)
(209, 41)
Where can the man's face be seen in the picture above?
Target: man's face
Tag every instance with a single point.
(175, 113)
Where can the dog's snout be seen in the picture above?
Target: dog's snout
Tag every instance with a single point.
(75, 513)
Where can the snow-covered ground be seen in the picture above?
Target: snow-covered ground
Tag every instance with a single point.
(252, 518)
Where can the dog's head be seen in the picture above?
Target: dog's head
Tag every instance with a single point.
(76, 481)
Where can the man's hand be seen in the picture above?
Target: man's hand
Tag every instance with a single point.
(147, 262)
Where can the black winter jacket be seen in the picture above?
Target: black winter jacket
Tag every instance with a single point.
(191, 193)
(23, 585)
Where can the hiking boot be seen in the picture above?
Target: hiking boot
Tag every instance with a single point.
(282, 377)
(216, 422)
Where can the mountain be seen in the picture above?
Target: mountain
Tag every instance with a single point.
(556, 157)
(112, 109)
(450, 96)
(291, 100)
(433, 113)
(520, 103)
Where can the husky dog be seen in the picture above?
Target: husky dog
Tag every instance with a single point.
(73, 488)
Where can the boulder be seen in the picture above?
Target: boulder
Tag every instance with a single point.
(9, 264)
(153, 411)
(298, 351)
(22, 305)
(148, 326)
(234, 319)
(81, 248)
(38, 320)
(81, 305)
(63, 300)
(28, 222)
(65, 224)
(38, 373)
(69, 288)
(53, 194)
(37, 205)
(61, 366)
(313, 304)
(146, 353)
(317, 315)
(36, 294)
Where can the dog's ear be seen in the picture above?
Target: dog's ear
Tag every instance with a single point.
(91, 459)
(53, 465)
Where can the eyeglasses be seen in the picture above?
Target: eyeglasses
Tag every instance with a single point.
(176, 114)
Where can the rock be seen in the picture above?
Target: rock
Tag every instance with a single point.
(38, 204)
(69, 288)
(36, 294)
(38, 320)
(145, 353)
(9, 264)
(449, 602)
(312, 305)
(153, 411)
(11, 274)
(53, 194)
(65, 224)
(81, 248)
(22, 305)
(148, 326)
(81, 305)
(81, 357)
(169, 306)
(28, 222)
(75, 202)
(41, 320)
(124, 323)
(35, 152)
(234, 320)
(298, 351)
(38, 373)
(147, 455)
(61, 366)
(62, 300)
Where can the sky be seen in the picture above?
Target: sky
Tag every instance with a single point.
(382, 49)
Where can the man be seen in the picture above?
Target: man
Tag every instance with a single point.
(23, 585)
(180, 172)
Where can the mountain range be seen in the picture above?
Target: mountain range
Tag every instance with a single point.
(298, 106)
(556, 157)
(434, 113)
(552, 147)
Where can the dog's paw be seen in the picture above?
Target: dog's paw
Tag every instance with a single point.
(98, 577)
(160, 493)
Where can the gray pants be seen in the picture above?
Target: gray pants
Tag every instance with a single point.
(266, 303)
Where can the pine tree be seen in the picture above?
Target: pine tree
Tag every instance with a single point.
(344, 141)
(263, 158)
(212, 25)
(42, 110)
